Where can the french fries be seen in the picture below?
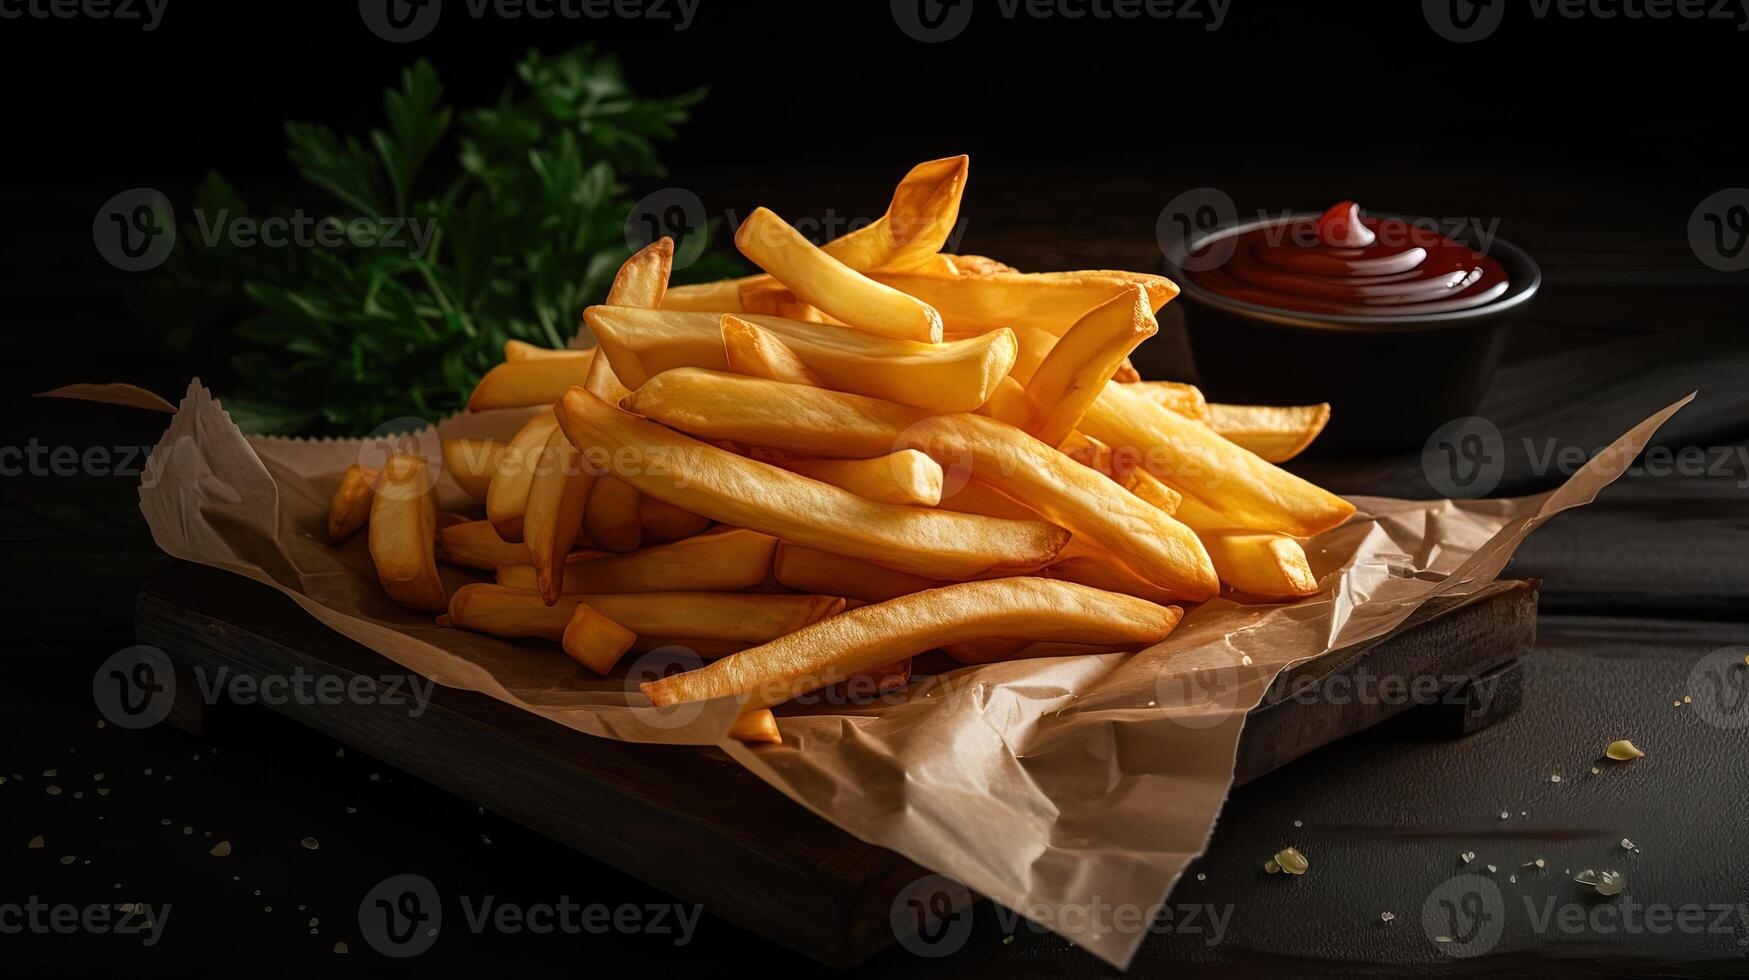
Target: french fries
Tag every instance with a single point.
(951, 377)
(666, 522)
(351, 505)
(1275, 434)
(471, 463)
(715, 405)
(643, 279)
(531, 380)
(904, 477)
(752, 350)
(680, 616)
(1049, 301)
(1195, 459)
(476, 544)
(1017, 490)
(722, 561)
(742, 492)
(1078, 366)
(403, 534)
(553, 514)
(821, 281)
(507, 495)
(869, 636)
(595, 641)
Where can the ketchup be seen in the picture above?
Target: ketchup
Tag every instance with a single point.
(1345, 264)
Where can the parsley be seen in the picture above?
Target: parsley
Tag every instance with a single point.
(523, 232)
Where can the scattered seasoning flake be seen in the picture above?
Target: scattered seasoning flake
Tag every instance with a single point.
(375, 776)
(310, 843)
(188, 831)
(1292, 861)
(1555, 777)
(1686, 699)
(1468, 856)
(1621, 750)
(1387, 916)
(1676, 704)
(54, 791)
(97, 777)
(1201, 877)
(148, 772)
(78, 794)
(68, 859)
(1504, 814)
(1299, 823)
(314, 922)
(1627, 845)
(103, 791)
(340, 948)
(165, 822)
(1512, 879)
(1007, 939)
(100, 723)
(1442, 939)
(36, 842)
(1606, 882)
(1270, 867)
(1492, 869)
(352, 809)
(1595, 770)
(221, 849)
(484, 839)
(50, 773)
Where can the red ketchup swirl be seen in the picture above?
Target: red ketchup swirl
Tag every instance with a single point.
(1345, 264)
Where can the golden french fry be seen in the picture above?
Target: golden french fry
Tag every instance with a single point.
(933, 265)
(1182, 398)
(403, 534)
(520, 350)
(351, 505)
(643, 279)
(742, 492)
(681, 616)
(595, 641)
(507, 495)
(1008, 403)
(722, 296)
(1081, 364)
(924, 208)
(723, 561)
(476, 544)
(471, 463)
(752, 350)
(530, 381)
(836, 289)
(1033, 345)
(1126, 373)
(553, 516)
(978, 265)
(951, 377)
(1195, 459)
(974, 496)
(666, 522)
(1050, 301)
(867, 637)
(1261, 563)
(758, 727)
(1275, 433)
(1089, 452)
(904, 477)
(613, 519)
(793, 418)
(1149, 487)
(1099, 569)
(874, 682)
(812, 570)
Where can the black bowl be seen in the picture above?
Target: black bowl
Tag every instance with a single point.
(1390, 381)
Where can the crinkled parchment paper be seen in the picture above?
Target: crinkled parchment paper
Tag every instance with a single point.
(1049, 785)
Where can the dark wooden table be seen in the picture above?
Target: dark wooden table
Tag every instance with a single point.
(1639, 590)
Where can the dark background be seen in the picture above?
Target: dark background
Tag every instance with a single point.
(1590, 140)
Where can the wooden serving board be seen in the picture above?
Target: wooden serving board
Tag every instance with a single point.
(766, 863)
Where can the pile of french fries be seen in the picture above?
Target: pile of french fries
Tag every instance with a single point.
(870, 450)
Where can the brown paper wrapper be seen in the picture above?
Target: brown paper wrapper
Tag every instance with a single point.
(1068, 784)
